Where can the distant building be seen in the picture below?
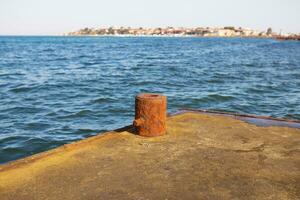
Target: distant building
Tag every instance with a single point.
(226, 32)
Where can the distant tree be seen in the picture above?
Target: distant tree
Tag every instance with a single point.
(111, 30)
(124, 31)
(100, 31)
(85, 31)
(269, 31)
(229, 28)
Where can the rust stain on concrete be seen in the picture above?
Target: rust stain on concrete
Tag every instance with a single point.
(201, 157)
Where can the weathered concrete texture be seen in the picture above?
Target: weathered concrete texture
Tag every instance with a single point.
(201, 157)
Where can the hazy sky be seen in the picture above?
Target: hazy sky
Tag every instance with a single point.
(35, 17)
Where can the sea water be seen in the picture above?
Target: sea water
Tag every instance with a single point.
(54, 90)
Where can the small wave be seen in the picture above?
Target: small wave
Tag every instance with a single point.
(21, 89)
(154, 57)
(57, 112)
(79, 114)
(215, 80)
(60, 59)
(216, 98)
(118, 110)
(265, 89)
(52, 114)
(103, 100)
(23, 109)
(48, 50)
(90, 63)
(36, 140)
(249, 65)
(139, 65)
(82, 56)
(37, 126)
(11, 74)
(12, 140)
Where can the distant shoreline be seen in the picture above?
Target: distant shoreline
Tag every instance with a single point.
(205, 32)
(133, 36)
(165, 36)
(276, 37)
(186, 36)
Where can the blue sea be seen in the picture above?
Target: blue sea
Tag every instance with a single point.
(55, 90)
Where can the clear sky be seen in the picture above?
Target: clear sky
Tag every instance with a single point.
(52, 17)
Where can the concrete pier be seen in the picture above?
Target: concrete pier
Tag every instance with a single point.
(202, 156)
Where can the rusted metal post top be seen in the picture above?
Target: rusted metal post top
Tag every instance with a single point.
(150, 114)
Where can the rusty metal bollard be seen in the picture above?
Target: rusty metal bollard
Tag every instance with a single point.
(150, 114)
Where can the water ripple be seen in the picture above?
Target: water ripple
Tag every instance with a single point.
(54, 90)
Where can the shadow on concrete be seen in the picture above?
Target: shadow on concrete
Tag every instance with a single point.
(129, 129)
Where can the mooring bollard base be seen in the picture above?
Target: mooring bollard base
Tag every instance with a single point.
(150, 114)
